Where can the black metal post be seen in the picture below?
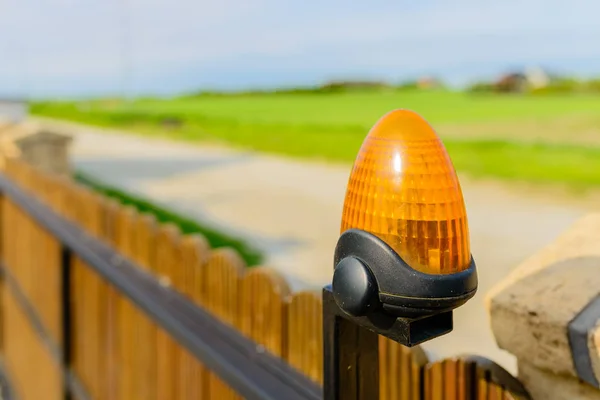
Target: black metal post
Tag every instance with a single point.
(351, 356)
(351, 353)
(67, 342)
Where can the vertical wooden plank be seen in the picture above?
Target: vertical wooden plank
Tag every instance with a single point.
(45, 279)
(109, 210)
(427, 383)
(305, 334)
(482, 389)
(385, 377)
(81, 292)
(178, 275)
(222, 276)
(127, 218)
(389, 365)
(405, 379)
(461, 377)
(145, 342)
(451, 383)
(264, 311)
(110, 302)
(485, 389)
(434, 389)
(416, 378)
(166, 257)
(495, 392)
(418, 361)
(94, 226)
(401, 371)
(195, 253)
(130, 339)
(77, 323)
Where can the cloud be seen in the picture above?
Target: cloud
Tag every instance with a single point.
(76, 44)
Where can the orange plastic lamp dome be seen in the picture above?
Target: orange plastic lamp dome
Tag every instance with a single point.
(403, 189)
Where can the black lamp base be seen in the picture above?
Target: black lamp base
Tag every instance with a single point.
(369, 275)
(406, 331)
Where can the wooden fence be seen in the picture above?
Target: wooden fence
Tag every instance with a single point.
(118, 352)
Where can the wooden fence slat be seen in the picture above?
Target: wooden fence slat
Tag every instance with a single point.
(482, 389)
(95, 223)
(450, 380)
(405, 380)
(222, 275)
(386, 388)
(263, 305)
(418, 361)
(465, 379)
(195, 252)
(124, 310)
(495, 392)
(305, 334)
(390, 379)
(167, 256)
(109, 209)
(145, 334)
(401, 371)
(434, 387)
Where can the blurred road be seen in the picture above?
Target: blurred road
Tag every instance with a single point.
(292, 211)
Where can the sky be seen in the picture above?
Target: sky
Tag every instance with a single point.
(73, 48)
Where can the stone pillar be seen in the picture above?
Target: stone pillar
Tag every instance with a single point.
(44, 147)
(547, 313)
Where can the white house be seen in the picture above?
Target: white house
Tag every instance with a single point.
(536, 77)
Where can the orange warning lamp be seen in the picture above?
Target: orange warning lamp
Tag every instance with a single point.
(404, 245)
(404, 190)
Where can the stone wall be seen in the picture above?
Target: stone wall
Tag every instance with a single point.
(547, 313)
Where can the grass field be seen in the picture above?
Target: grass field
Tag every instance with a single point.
(548, 139)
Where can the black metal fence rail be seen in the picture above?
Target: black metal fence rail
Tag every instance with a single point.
(246, 368)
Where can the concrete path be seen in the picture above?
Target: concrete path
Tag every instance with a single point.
(292, 210)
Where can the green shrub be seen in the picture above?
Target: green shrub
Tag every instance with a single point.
(215, 238)
(481, 87)
(559, 86)
(592, 86)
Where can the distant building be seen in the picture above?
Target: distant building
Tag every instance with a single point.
(515, 82)
(531, 78)
(428, 82)
(537, 77)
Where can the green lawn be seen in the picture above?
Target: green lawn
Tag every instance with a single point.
(549, 139)
(214, 237)
(359, 109)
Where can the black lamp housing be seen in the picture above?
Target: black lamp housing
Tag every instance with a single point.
(371, 282)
